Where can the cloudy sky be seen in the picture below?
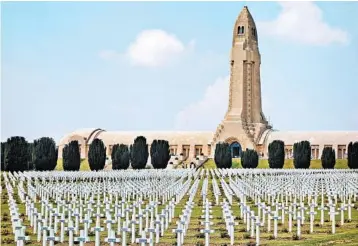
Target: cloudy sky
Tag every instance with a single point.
(165, 66)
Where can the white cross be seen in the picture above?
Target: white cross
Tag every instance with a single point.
(70, 230)
(151, 231)
(207, 232)
(258, 223)
(21, 237)
(143, 240)
(275, 217)
(52, 238)
(124, 230)
(179, 231)
(82, 238)
(111, 239)
(97, 229)
(333, 217)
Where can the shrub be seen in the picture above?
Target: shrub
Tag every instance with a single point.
(71, 157)
(222, 155)
(44, 154)
(3, 146)
(249, 159)
(114, 148)
(139, 153)
(328, 158)
(120, 157)
(276, 151)
(160, 153)
(302, 154)
(97, 155)
(16, 154)
(353, 155)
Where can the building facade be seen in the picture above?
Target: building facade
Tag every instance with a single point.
(244, 125)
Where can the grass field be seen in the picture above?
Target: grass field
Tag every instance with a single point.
(315, 164)
(84, 165)
(346, 235)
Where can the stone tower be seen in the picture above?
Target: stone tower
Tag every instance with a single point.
(244, 121)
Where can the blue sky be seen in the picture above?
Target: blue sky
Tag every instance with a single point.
(164, 66)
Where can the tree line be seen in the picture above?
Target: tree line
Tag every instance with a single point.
(19, 155)
(276, 159)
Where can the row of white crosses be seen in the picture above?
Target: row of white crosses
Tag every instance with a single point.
(229, 220)
(216, 190)
(127, 202)
(206, 212)
(287, 194)
(184, 217)
(74, 206)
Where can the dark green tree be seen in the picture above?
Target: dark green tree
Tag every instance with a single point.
(44, 154)
(16, 154)
(222, 155)
(139, 153)
(3, 146)
(97, 155)
(120, 157)
(249, 159)
(328, 158)
(31, 149)
(160, 153)
(302, 154)
(353, 155)
(71, 157)
(276, 151)
(114, 148)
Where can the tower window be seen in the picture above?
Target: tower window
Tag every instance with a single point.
(240, 30)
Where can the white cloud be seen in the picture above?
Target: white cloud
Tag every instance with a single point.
(303, 22)
(151, 48)
(208, 112)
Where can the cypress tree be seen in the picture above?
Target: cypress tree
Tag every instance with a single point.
(3, 146)
(222, 155)
(97, 155)
(114, 148)
(31, 152)
(71, 157)
(139, 153)
(120, 157)
(302, 154)
(353, 155)
(16, 154)
(249, 159)
(44, 154)
(349, 154)
(276, 151)
(160, 153)
(328, 158)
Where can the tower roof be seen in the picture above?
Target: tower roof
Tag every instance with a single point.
(246, 17)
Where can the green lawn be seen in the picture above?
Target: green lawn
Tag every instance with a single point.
(84, 165)
(345, 235)
(315, 164)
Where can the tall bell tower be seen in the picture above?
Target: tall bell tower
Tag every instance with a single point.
(244, 121)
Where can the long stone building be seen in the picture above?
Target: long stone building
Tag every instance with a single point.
(244, 125)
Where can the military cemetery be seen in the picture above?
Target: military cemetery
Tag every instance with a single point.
(180, 207)
(244, 184)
